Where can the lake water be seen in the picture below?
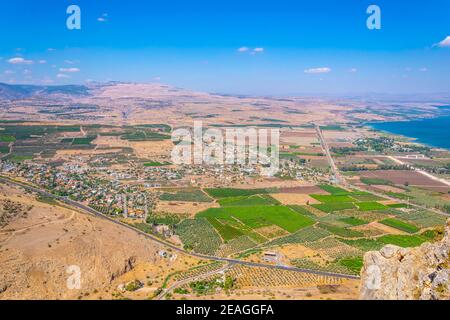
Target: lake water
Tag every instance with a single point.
(434, 132)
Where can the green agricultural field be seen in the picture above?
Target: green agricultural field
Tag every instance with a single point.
(18, 158)
(4, 149)
(422, 218)
(397, 205)
(353, 221)
(353, 264)
(333, 190)
(7, 138)
(342, 232)
(228, 192)
(188, 196)
(364, 244)
(244, 201)
(375, 181)
(401, 196)
(156, 164)
(400, 225)
(198, 235)
(332, 198)
(405, 241)
(302, 210)
(365, 197)
(334, 206)
(261, 216)
(144, 135)
(305, 235)
(226, 231)
(83, 141)
(370, 206)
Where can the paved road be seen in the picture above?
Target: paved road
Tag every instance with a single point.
(334, 169)
(169, 245)
(340, 180)
(191, 279)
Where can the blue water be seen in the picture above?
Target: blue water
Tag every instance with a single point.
(434, 132)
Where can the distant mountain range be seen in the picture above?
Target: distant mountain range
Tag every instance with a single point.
(8, 91)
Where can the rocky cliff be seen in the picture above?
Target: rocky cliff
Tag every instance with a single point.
(395, 273)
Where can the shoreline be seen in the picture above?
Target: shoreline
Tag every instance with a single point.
(415, 139)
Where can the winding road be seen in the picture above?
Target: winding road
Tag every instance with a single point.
(96, 213)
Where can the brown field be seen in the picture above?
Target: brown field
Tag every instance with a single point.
(293, 198)
(183, 208)
(401, 177)
(388, 188)
(304, 190)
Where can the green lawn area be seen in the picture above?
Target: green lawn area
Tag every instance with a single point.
(405, 241)
(353, 221)
(245, 201)
(7, 138)
(229, 192)
(400, 225)
(334, 206)
(370, 206)
(261, 216)
(332, 198)
(333, 190)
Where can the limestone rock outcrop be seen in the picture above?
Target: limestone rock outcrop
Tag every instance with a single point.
(395, 273)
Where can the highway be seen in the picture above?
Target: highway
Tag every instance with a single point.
(95, 213)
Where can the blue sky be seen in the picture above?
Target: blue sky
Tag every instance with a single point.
(248, 47)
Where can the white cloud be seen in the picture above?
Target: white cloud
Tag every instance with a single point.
(69, 70)
(51, 49)
(42, 61)
(26, 71)
(251, 51)
(157, 78)
(9, 72)
(444, 43)
(318, 70)
(19, 60)
(70, 61)
(102, 18)
(353, 70)
(423, 69)
(62, 76)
